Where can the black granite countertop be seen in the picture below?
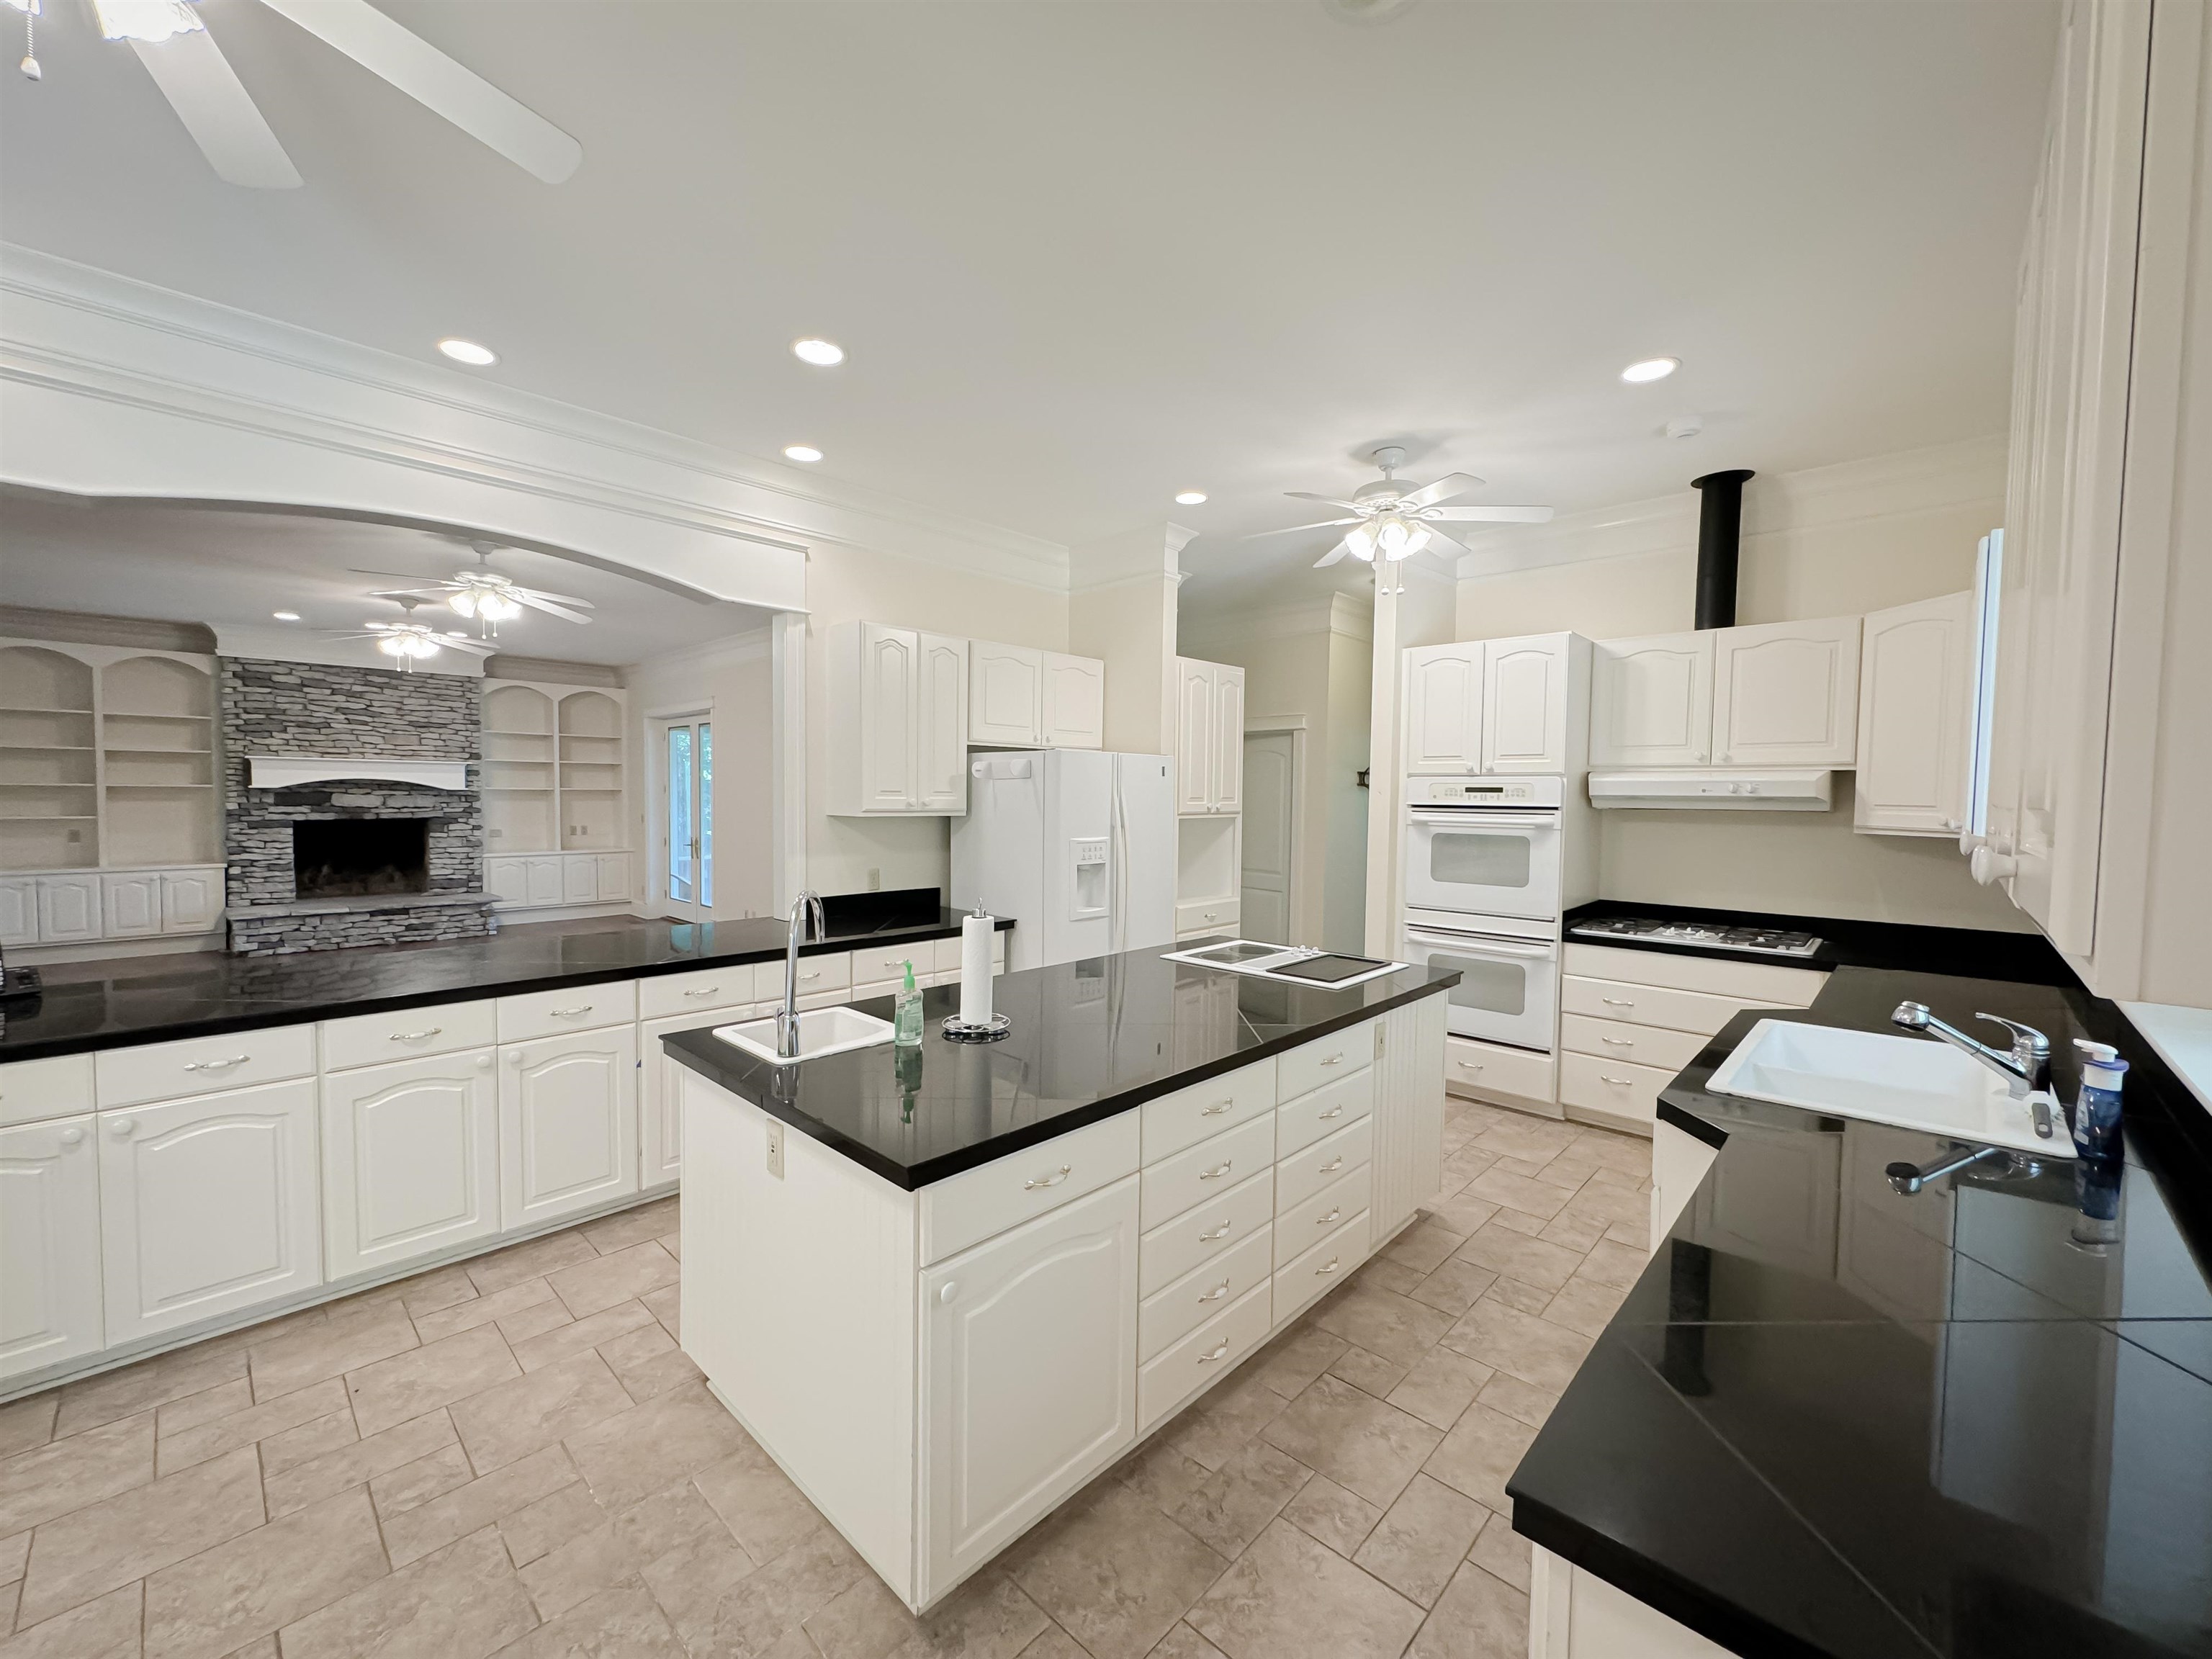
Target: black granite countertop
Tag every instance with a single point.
(1974, 952)
(1831, 1420)
(155, 999)
(1089, 1039)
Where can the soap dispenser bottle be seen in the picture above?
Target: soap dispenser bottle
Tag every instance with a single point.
(2097, 1139)
(906, 1014)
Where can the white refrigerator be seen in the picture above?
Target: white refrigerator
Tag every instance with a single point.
(1078, 846)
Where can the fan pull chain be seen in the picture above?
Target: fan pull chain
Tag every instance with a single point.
(30, 63)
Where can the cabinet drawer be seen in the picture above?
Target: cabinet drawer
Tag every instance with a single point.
(1650, 1005)
(1188, 1116)
(1212, 1166)
(200, 1066)
(374, 1039)
(1168, 1314)
(579, 1008)
(817, 975)
(1299, 1175)
(1305, 1069)
(1206, 1354)
(1613, 1039)
(948, 954)
(1201, 915)
(1173, 1247)
(731, 986)
(1298, 1226)
(1323, 1111)
(970, 1207)
(1755, 984)
(31, 1090)
(878, 964)
(1323, 1267)
(1492, 1068)
(1615, 1087)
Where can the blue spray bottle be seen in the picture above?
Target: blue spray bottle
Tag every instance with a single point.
(2097, 1138)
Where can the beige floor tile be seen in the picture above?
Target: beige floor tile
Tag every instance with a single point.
(774, 1601)
(1528, 1299)
(1114, 1572)
(398, 1490)
(194, 1409)
(1227, 1510)
(755, 1500)
(1507, 1339)
(621, 1622)
(196, 1441)
(1384, 1275)
(289, 1448)
(409, 1385)
(91, 1551)
(1338, 1519)
(139, 1387)
(1181, 1643)
(665, 1303)
(533, 1260)
(535, 1353)
(67, 1474)
(1294, 1359)
(538, 1529)
(1519, 1193)
(675, 1517)
(589, 1286)
(648, 1363)
(436, 1291)
(641, 1449)
(1441, 1387)
(1517, 1221)
(297, 1485)
(1161, 1474)
(1502, 1552)
(1289, 1597)
(1610, 1205)
(1521, 1168)
(485, 1309)
(1516, 1256)
(462, 1603)
(987, 1618)
(513, 1418)
(1215, 1428)
(689, 1578)
(108, 1628)
(536, 1320)
(25, 1424)
(1369, 1372)
(579, 1568)
(1423, 1246)
(1508, 1394)
(1384, 1322)
(1479, 1456)
(1454, 1287)
(1416, 1546)
(10, 1594)
(411, 1535)
(1055, 1644)
(1478, 1617)
(619, 1232)
(14, 1554)
(290, 1363)
(1572, 1232)
(1611, 1263)
(1462, 1214)
(1364, 1445)
(213, 1602)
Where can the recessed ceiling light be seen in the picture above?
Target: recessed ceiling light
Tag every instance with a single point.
(285, 615)
(1651, 368)
(1190, 497)
(823, 354)
(801, 453)
(469, 352)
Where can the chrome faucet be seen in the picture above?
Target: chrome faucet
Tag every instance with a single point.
(2026, 1068)
(786, 1017)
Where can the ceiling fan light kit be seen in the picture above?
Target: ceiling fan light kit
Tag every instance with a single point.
(1394, 522)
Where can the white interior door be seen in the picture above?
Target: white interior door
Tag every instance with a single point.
(1270, 815)
(684, 811)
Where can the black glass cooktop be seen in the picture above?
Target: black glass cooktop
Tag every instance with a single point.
(1329, 969)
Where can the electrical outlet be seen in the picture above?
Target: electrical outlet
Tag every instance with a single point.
(875, 881)
(775, 1149)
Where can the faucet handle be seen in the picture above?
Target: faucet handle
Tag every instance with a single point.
(2024, 1037)
(1912, 1015)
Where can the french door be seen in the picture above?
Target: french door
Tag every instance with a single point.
(684, 880)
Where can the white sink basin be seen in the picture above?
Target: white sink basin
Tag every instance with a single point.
(821, 1031)
(1915, 1083)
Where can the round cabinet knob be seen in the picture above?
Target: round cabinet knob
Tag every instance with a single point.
(947, 1290)
(1988, 865)
(515, 1056)
(483, 1062)
(123, 1128)
(72, 1137)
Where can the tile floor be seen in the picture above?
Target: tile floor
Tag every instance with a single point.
(513, 1456)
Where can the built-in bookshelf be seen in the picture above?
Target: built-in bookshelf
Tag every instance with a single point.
(554, 777)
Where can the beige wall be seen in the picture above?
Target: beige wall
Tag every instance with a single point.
(731, 680)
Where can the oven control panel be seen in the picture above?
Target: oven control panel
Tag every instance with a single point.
(1528, 792)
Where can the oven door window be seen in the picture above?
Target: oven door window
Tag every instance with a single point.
(1486, 985)
(1496, 859)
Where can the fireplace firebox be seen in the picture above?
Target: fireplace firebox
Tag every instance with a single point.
(351, 858)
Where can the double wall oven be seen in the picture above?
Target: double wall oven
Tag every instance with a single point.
(1482, 895)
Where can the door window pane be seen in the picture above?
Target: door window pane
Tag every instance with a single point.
(1496, 857)
(679, 814)
(706, 814)
(1494, 988)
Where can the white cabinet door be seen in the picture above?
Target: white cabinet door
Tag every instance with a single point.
(1787, 694)
(661, 1090)
(1408, 1134)
(19, 910)
(568, 1124)
(1228, 791)
(208, 1206)
(69, 908)
(543, 880)
(1074, 701)
(941, 727)
(1525, 684)
(130, 903)
(410, 1160)
(507, 879)
(1029, 1364)
(612, 869)
(1194, 728)
(49, 1245)
(1443, 709)
(191, 900)
(1916, 685)
(890, 674)
(1652, 702)
(579, 879)
(1006, 694)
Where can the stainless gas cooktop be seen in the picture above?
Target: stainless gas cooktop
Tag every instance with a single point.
(1705, 936)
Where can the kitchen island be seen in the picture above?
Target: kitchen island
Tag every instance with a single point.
(945, 1286)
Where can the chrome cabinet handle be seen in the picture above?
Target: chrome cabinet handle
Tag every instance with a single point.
(1322, 1272)
(1217, 1171)
(1333, 1111)
(1217, 1292)
(1220, 1232)
(216, 1065)
(1035, 1181)
(423, 1035)
(1620, 1043)
(1217, 1108)
(816, 974)
(72, 1137)
(1617, 1002)
(1218, 1353)
(702, 991)
(1332, 1166)
(569, 1013)
(1336, 1214)
(1469, 1065)
(1333, 1058)
(1617, 1082)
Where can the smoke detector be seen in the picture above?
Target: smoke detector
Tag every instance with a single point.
(1685, 426)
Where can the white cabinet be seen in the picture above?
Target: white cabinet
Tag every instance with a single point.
(410, 1160)
(130, 903)
(941, 727)
(69, 908)
(568, 1124)
(612, 873)
(207, 1205)
(1533, 702)
(50, 1303)
(1651, 700)
(1029, 1366)
(1408, 1145)
(75, 908)
(191, 900)
(660, 1086)
(580, 881)
(1006, 694)
(1074, 701)
(19, 910)
(1209, 738)
(898, 722)
(1227, 738)
(539, 880)
(1917, 674)
(1444, 707)
(543, 880)
(1786, 694)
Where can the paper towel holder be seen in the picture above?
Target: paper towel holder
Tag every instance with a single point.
(956, 1030)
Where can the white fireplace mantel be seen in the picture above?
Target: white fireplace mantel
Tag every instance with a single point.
(291, 771)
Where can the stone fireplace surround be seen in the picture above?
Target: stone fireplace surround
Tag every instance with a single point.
(292, 709)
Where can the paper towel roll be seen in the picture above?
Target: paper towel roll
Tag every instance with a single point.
(975, 934)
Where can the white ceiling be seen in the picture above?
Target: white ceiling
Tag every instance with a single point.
(1089, 253)
(218, 566)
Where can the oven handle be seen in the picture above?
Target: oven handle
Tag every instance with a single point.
(1465, 815)
(1478, 943)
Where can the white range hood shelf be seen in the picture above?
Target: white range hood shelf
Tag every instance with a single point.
(1781, 789)
(292, 771)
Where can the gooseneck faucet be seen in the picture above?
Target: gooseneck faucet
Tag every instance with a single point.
(808, 903)
(2026, 1068)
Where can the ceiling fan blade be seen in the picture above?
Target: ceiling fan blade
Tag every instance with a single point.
(538, 601)
(211, 102)
(1437, 535)
(1494, 515)
(438, 84)
(1326, 500)
(557, 599)
(1333, 554)
(1452, 484)
(481, 647)
(429, 582)
(1292, 529)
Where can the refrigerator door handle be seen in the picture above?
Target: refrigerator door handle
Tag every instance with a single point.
(1118, 854)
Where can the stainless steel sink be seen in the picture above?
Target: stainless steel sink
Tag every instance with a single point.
(821, 1031)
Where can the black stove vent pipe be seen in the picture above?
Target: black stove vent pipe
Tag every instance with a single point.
(1720, 526)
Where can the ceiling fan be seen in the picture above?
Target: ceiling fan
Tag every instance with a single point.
(484, 593)
(173, 43)
(1395, 522)
(410, 640)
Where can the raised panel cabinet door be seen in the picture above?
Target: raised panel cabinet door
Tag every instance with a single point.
(410, 1160)
(1006, 694)
(543, 880)
(1074, 701)
(1916, 680)
(1029, 1368)
(891, 677)
(941, 725)
(1524, 701)
(1652, 702)
(579, 879)
(1787, 694)
(49, 1245)
(69, 908)
(660, 1094)
(1194, 721)
(612, 869)
(1227, 738)
(191, 900)
(1443, 709)
(19, 910)
(568, 1124)
(130, 904)
(507, 879)
(208, 1206)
